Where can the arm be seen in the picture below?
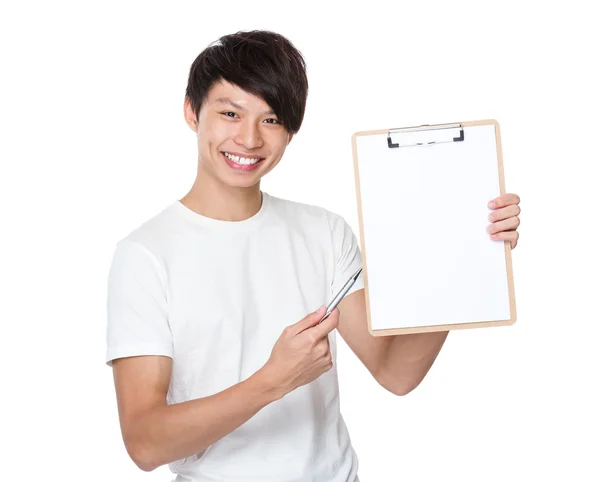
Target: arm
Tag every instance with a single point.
(156, 433)
(398, 363)
(409, 358)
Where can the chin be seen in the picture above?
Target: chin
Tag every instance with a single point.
(241, 184)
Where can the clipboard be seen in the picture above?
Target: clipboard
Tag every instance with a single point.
(428, 262)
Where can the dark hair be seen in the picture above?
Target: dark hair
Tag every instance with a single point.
(263, 63)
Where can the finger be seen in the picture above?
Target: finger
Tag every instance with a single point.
(512, 236)
(327, 325)
(504, 213)
(504, 200)
(327, 315)
(309, 320)
(506, 225)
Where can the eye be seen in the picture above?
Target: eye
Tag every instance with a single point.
(275, 121)
(229, 112)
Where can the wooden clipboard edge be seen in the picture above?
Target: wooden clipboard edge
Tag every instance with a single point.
(507, 249)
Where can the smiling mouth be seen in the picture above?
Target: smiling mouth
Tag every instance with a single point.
(242, 160)
(241, 164)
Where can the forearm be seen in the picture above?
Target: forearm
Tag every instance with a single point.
(171, 432)
(409, 358)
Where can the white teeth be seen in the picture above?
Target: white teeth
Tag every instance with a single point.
(240, 160)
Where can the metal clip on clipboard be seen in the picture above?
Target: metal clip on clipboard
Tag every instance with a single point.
(425, 135)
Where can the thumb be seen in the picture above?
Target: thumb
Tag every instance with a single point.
(310, 320)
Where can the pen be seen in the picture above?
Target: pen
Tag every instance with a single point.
(340, 295)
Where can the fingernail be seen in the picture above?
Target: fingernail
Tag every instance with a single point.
(492, 204)
(321, 310)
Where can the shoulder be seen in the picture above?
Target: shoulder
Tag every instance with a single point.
(304, 214)
(151, 235)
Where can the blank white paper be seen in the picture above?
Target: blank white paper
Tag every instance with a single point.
(429, 259)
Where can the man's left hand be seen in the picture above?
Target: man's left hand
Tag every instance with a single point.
(504, 219)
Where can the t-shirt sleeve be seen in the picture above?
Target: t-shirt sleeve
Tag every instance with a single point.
(137, 321)
(348, 257)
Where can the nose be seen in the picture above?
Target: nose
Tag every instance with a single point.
(248, 136)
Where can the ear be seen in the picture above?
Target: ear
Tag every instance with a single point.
(290, 136)
(189, 116)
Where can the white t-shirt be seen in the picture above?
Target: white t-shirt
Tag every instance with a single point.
(215, 296)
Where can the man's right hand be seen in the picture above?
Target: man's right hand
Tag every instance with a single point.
(301, 354)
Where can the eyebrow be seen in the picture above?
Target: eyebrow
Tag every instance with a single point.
(225, 100)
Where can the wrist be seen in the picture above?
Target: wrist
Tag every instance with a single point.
(266, 386)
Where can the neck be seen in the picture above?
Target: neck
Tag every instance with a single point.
(225, 203)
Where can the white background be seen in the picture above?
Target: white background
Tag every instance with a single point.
(93, 143)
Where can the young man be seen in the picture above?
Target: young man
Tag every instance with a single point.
(221, 368)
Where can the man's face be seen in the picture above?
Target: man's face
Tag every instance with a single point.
(234, 129)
